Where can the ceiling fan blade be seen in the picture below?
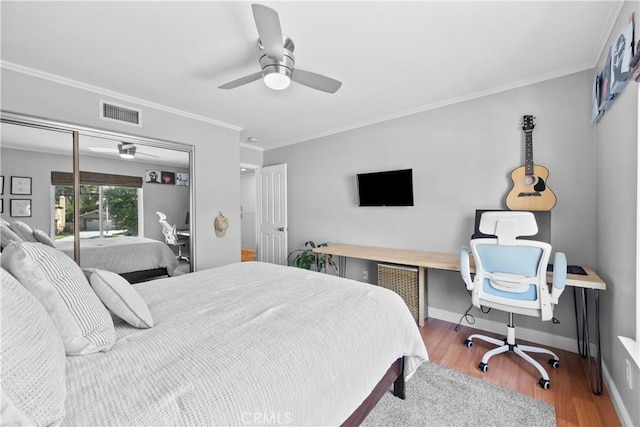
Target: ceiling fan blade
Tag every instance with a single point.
(103, 149)
(315, 81)
(242, 81)
(140, 153)
(269, 30)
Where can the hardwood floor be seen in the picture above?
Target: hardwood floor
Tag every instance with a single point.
(570, 393)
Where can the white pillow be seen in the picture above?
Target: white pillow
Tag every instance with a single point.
(120, 297)
(61, 287)
(33, 359)
(43, 237)
(23, 230)
(8, 236)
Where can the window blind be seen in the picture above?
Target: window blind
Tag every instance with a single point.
(93, 178)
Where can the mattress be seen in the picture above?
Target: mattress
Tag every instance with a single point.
(123, 254)
(247, 343)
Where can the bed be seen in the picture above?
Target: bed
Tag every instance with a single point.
(247, 343)
(135, 258)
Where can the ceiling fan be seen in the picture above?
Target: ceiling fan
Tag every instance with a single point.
(277, 60)
(125, 150)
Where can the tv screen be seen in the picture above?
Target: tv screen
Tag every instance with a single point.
(389, 188)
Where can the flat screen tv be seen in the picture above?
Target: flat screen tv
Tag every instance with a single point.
(389, 188)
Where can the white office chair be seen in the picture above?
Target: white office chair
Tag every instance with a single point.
(171, 235)
(511, 275)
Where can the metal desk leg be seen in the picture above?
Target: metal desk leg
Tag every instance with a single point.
(584, 346)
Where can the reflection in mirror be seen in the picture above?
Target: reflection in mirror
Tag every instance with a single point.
(123, 184)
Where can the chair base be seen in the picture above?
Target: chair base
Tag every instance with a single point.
(509, 344)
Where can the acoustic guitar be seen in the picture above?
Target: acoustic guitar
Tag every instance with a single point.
(530, 191)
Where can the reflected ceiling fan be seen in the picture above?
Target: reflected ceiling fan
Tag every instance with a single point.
(277, 60)
(125, 150)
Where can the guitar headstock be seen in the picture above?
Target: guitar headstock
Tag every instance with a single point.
(528, 122)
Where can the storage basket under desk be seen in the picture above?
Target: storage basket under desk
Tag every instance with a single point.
(403, 280)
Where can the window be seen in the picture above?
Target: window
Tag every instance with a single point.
(109, 205)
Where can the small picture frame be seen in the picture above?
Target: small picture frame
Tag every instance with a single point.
(168, 178)
(152, 176)
(182, 179)
(20, 208)
(21, 185)
(2, 184)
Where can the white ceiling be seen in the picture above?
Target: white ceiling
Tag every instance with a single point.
(394, 58)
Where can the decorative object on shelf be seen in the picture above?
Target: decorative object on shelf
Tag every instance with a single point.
(307, 259)
(20, 208)
(182, 179)
(221, 224)
(168, 177)
(21, 185)
(530, 191)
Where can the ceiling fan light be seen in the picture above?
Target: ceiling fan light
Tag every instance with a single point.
(277, 81)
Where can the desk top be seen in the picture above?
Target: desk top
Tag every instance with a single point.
(437, 260)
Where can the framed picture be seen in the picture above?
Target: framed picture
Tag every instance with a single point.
(182, 179)
(20, 208)
(152, 176)
(2, 184)
(168, 177)
(21, 185)
(621, 54)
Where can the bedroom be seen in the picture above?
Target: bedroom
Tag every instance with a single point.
(442, 145)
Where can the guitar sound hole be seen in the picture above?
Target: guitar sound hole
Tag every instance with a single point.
(529, 179)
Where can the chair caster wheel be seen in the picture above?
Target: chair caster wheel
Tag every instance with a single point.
(555, 363)
(545, 384)
(468, 343)
(483, 367)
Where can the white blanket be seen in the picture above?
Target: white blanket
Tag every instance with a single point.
(248, 343)
(123, 254)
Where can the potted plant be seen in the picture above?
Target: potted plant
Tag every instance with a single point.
(307, 259)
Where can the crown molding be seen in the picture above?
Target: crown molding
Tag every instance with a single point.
(253, 147)
(112, 94)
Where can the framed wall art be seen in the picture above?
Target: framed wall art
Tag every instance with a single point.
(20, 208)
(21, 185)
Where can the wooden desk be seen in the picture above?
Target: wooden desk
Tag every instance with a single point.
(451, 262)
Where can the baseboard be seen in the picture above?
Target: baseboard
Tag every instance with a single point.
(545, 339)
(538, 337)
(616, 399)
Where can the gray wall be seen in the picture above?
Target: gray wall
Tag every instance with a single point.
(216, 178)
(173, 200)
(616, 173)
(461, 157)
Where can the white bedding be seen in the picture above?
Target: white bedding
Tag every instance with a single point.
(248, 343)
(123, 254)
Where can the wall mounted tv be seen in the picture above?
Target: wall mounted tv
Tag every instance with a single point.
(389, 188)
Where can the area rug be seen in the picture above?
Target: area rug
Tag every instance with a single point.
(439, 396)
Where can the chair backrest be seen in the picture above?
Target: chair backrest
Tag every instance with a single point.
(511, 274)
(168, 230)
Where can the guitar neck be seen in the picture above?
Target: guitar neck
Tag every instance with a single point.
(528, 152)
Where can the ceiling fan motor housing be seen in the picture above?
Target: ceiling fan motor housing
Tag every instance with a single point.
(282, 65)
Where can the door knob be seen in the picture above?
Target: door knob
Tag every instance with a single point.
(281, 229)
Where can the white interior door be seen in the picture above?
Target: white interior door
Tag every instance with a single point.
(272, 214)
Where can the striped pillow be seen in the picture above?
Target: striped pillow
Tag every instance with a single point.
(33, 360)
(62, 288)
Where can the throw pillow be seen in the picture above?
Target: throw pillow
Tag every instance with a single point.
(61, 287)
(8, 236)
(43, 237)
(120, 297)
(23, 230)
(33, 359)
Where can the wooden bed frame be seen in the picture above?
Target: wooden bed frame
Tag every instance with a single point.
(395, 376)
